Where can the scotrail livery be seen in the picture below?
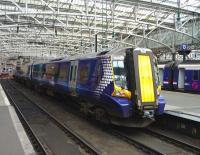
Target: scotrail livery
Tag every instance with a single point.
(181, 76)
(119, 86)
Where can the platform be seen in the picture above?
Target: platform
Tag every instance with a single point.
(13, 139)
(182, 104)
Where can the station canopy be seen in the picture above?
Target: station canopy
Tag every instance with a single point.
(54, 28)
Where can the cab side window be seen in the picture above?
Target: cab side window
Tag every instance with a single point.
(119, 73)
(71, 72)
(196, 75)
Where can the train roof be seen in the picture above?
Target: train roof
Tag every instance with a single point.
(186, 65)
(108, 52)
(189, 66)
(161, 65)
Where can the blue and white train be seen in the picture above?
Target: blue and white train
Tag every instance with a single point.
(180, 76)
(119, 86)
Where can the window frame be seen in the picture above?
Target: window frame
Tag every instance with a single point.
(115, 74)
(71, 72)
(64, 68)
(86, 78)
(197, 74)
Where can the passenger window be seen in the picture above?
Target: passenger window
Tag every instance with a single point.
(75, 73)
(84, 72)
(195, 75)
(28, 72)
(119, 73)
(43, 71)
(36, 71)
(63, 73)
(51, 70)
(71, 73)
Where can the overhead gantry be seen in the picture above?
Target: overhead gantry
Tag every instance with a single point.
(67, 27)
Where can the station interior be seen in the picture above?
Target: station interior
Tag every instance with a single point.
(110, 77)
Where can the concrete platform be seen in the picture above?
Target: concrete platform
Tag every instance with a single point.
(182, 104)
(13, 139)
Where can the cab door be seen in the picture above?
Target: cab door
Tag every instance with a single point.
(141, 78)
(73, 77)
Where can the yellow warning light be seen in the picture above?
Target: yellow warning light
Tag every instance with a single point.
(146, 79)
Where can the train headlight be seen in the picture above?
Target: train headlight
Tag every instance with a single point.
(158, 90)
(139, 104)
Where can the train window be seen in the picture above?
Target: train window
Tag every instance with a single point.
(195, 75)
(71, 71)
(51, 70)
(63, 73)
(43, 71)
(74, 78)
(84, 72)
(29, 70)
(36, 71)
(119, 73)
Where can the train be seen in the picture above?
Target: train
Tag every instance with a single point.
(117, 86)
(180, 76)
(6, 72)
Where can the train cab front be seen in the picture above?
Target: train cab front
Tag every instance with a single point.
(143, 84)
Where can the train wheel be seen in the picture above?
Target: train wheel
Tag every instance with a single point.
(102, 116)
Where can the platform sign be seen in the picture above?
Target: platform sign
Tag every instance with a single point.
(184, 49)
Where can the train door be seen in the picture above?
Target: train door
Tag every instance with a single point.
(141, 80)
(167, 81)
(73, 77)
(161, 76)
(181, 78)
(175, 77)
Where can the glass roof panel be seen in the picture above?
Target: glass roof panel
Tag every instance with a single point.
(191, 5)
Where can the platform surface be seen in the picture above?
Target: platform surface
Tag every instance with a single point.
(182, 104)
(13, 139)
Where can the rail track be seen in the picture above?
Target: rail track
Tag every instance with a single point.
(27, 110)
(178, 142)
(145, 140)
(136, 143)
(170, 145)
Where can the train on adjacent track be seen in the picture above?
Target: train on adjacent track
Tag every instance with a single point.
(118, 86)
(184, 76)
